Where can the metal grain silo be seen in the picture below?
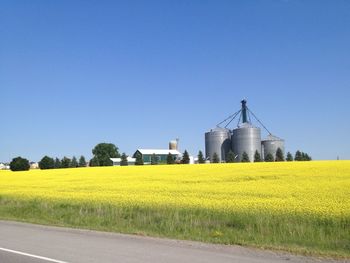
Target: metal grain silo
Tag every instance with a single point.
(246, 138)
(217, 141)
(271, 144)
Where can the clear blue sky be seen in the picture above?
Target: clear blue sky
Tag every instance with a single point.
(140, 73)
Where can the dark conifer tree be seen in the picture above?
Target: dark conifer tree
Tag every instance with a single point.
(74, 162)
(269, 158)
(124, 160)
(154, 159)
(200, 157)
(170, 159)
(139, 160)
(257, 157)
(57, 163)
(289, 157)
(65, 162)
(82, 161)
(245, 158)
(230, 158)
(215, 158)
(185, 158)
(279, 155)
(298, 156)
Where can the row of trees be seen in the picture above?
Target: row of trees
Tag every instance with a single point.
(230, 158)
(101, 157)
(22, 164)
(301, 156)
(50, 163)
(102, 153)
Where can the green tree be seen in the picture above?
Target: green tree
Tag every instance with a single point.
(308, 157)
(289, 157)
(94, 162)
(230, 158)
(170, 159)
(82, 161)
(257, 157)
(124, 160)
(215, 158)
(269, 158)
(47, 163)
(103, 152)
(279, 155)
(201, 157)
(305, 157)
(19, 164)
(65, 162)
(298, 156)
(154, 159)
(74, 162)
(245, 158)
(139, 160)
(57, 163)
(185, 158)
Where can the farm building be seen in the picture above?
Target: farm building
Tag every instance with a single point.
(4, 166)
(116, 161)
(161, 154)
(34, 165)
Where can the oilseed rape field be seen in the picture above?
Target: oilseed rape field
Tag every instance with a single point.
(303, 207)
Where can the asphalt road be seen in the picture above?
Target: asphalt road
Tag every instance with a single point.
(27, 243)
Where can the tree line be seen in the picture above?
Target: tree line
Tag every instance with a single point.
(230, 158)
(50, 163)
(102, 153)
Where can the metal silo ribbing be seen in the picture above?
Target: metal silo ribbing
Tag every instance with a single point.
(217, 141)
(271, 144)
(246, 138)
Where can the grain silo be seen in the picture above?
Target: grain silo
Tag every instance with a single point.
(246, 138)
(174, 144)
(217, 141)
(271, 144)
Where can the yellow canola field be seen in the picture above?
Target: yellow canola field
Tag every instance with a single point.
(317, 188)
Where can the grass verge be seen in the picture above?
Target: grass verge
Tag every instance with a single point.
(296, 234)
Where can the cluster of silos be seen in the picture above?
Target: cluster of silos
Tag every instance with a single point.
(246, 138)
